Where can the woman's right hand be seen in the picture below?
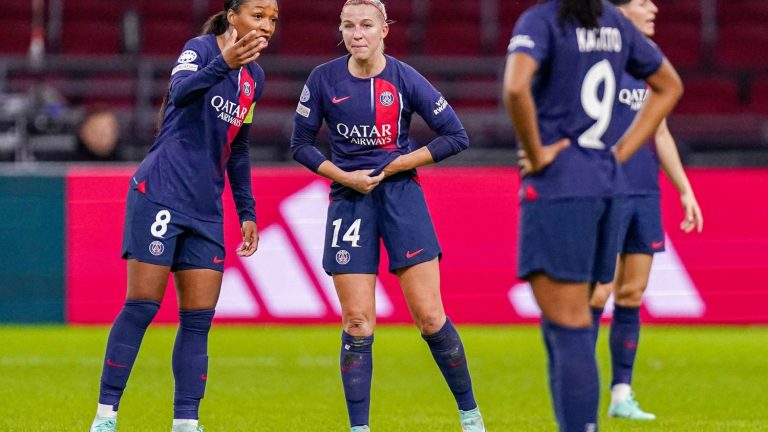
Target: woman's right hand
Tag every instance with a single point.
(362, 181)
(546, 156)
(238, 53)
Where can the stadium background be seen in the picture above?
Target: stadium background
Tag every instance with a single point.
(60, 59)
(61, 221)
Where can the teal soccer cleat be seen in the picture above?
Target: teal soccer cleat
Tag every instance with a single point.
(104, 424)
(629, 409)
(361, 429)
(186, 427)
(472, 421)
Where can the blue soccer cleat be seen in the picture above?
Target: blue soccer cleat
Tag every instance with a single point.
(629, 409)
(104, 424)
(361, 429)
(471, 421)
(186, 427)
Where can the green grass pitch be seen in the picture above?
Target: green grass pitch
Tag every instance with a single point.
(286, 378)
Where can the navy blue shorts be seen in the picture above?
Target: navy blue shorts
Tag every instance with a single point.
(158, 235)
(641, 230)
(572, 240)
(396, 212)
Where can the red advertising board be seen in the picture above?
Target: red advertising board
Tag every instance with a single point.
(718, 276)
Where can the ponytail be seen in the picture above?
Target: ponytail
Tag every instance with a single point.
(584, 12)
(216, 24)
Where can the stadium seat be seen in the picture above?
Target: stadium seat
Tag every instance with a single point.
(90, 37)
(97, 10)
(165, 37)
(681, 43)
(455, 10)
(308, 37)
(453, 38)
(742, 47)
(676, 12)
(16, 9)
(16, 36)
(709, 95)
(742, 12)
(759, 97)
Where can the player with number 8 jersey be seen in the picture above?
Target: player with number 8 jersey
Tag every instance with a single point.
(174, 220)
(564, 60)
(367, 100)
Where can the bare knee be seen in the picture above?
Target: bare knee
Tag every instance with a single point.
(630, 294)
(430, 323)
(357, 324)
(600, 295)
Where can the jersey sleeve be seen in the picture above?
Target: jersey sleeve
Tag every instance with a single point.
(438, 114)
(239, 172)
(307, 122)
(645, 57)
(531, 36)
(193, 75)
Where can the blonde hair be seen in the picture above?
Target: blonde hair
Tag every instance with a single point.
(378, 4)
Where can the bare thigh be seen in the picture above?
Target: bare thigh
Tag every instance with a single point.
(564, 303)
(198, 289)
(357, 295)
(421, 287)
(146, 281)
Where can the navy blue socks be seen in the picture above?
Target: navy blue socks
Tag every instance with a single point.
(356, 362)
(597, 313)
(123, 347)
(574, 381)
(190, 362)
(448, 352)
(625, 335)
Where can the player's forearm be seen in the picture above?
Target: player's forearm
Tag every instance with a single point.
(330, 171)
(522, 111)
(448, 144)
(669, 159)
(239, 172)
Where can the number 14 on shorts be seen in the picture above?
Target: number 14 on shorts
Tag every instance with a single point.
(352, 235)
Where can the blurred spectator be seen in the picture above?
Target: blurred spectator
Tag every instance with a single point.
(97, 138)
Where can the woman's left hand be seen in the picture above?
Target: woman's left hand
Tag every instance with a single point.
(250, 239)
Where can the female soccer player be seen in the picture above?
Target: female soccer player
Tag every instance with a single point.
(641, 234)
(174, 216)
(559, 89)
(367, 99)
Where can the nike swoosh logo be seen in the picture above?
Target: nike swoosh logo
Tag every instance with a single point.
(335, 100)
(409, 254)
(630, 345)
(657, 245)
(216, 260)
(204, 377)
(113, 364)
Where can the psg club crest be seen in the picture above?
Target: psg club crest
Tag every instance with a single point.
(156, 248)
(305, 94)
(342, 257)
(247, 88)
(387, 98)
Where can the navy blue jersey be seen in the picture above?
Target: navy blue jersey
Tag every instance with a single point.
(369, 118)
(204, 133)
(641, 171)
(575, 92)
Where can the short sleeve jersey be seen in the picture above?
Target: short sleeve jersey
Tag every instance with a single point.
(368, 118)
(185, 167)
(641, 171)
(575, 92)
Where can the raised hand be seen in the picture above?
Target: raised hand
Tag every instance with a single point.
(238, 53)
